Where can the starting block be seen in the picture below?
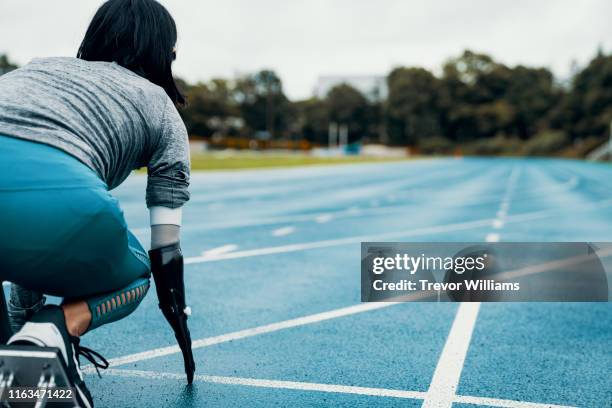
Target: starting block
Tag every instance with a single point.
(34, 377)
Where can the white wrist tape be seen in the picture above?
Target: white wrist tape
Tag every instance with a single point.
(163, 215)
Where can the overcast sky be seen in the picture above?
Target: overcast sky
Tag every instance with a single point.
(305, 39)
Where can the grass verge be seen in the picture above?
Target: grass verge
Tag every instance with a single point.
(237, 161)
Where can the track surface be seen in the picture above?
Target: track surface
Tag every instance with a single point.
(273, 280)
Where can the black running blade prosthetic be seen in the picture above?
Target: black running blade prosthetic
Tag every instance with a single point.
(178, 322)
(167, 269)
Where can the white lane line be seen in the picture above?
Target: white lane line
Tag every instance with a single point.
(241, 334)
(281, 232)
(351, 212)
(480, 200)
(445, 380)
(342, 241)
(492, 237)
(289, 385)
(504, 206)
(219, 250)
(443, 388)
(324, 218)
(318, 387)
(530, 216)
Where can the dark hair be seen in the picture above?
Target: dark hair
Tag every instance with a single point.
(139, 35)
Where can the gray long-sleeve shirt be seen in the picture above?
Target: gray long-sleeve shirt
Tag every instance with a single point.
(106, 116)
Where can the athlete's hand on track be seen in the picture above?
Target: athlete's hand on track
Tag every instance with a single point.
(167, 268)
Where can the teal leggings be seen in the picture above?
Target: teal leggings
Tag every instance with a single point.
(63, 234)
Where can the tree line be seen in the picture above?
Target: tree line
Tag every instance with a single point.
(475, 103)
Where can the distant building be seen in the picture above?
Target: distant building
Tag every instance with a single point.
(373, 87)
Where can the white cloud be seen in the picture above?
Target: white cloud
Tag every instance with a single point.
(304, 39)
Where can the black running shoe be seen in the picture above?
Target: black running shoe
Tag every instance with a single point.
(47, 328)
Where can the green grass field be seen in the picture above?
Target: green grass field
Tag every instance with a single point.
(249, 160)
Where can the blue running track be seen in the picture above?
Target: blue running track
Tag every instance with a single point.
(273, 279)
